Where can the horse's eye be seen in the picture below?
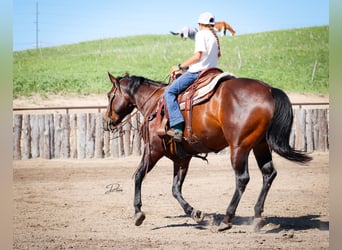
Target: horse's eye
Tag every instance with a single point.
(110, 95)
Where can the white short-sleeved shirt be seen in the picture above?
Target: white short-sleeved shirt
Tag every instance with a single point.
(205, 42)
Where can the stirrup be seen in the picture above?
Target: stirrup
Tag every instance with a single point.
(176, 134)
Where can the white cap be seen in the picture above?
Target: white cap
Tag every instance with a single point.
(206, 18)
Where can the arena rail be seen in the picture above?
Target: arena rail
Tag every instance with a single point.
(99, 108)
(79, 135)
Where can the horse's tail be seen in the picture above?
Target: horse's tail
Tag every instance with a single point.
(174, 33)
(278, 135)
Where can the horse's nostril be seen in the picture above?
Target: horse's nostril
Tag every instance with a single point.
(107, 124)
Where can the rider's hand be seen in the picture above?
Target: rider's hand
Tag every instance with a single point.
(174, 69)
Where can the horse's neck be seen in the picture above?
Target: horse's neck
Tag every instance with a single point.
(147, 98)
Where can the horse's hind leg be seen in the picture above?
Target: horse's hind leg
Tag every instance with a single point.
(239, 160)
(223, 32)
(263, 157)
(180, 169)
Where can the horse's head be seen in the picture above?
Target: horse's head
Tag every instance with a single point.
(120, 103)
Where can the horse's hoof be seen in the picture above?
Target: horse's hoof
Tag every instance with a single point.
(139, 218)
(197, 216)
(224, 226)
(258, 223)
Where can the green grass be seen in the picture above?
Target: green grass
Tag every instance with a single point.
(284, 59)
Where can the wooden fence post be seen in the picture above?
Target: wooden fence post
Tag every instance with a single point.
(309, 131)
(81, 135)
(121, 142)
(106, 144)
(315, 128)
(300, 139)
(34, 136)
(47, 137)
(115, 141)
(26, 138)
(51, 135)
(17, 123)
(90, 135)
(73, 136)
(58, 135)
(99, 135)
(41, 130)
(323, 130)
(65, 144)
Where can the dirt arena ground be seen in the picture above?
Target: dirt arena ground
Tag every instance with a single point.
(88, 204)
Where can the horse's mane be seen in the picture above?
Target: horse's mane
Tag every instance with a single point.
(134, 82)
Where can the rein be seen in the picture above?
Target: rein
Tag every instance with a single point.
(110, 102)
(149, 97)
(123, 123)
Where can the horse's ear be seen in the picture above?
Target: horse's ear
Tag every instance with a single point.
(114, 81)
(112, 78)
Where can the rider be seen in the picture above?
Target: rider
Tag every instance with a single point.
(206, 54)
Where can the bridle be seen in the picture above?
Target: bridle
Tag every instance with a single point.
(110, 122)
(112, 96)
(127, 119)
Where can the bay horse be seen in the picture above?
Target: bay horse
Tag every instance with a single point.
(222, 27)
(244, 114)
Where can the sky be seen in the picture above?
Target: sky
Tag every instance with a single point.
(63, 22)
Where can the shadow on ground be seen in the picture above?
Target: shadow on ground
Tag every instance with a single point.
(279, 224)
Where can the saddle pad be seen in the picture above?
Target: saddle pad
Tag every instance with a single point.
(207, 88)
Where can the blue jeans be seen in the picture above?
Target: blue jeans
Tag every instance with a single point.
(171, 93)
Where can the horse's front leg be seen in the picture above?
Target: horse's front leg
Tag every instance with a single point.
(148, 161)
(180, 169)
(139, 216)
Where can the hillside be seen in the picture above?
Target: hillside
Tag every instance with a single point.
(294, 60)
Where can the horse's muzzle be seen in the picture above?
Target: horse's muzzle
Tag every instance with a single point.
(108, 124)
